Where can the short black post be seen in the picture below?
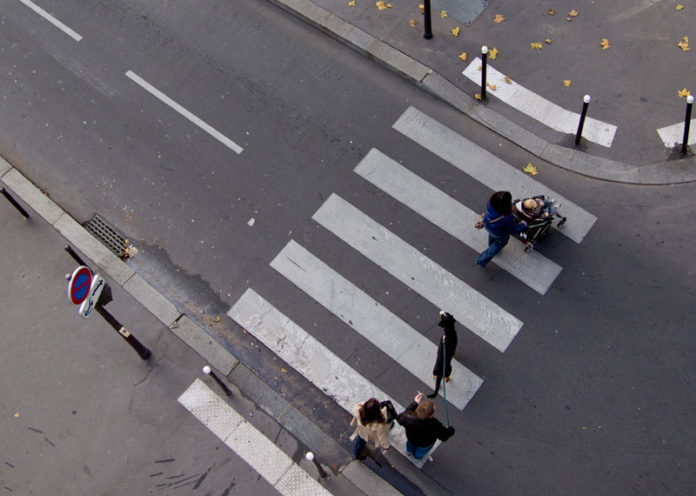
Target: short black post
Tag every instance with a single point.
(124, 333)
(75, 256)
(310, 456)
(208, 371)
(585, 103)
(427, 20)
(484, 62)
(687, 123)
(14, 203)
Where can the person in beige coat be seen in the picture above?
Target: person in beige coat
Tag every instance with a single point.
(371, 426)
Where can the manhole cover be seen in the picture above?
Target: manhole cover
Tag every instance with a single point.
(465, 11)
(109, 236)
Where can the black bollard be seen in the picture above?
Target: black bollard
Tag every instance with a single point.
(484, 62)
(310, 456)
(208, 371)
(124, 333)
(585, 103)
(427, 20)
(687, 123)
(14, 203)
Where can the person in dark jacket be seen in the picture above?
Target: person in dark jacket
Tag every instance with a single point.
(445, 352)
(422, 429)
(500, 224)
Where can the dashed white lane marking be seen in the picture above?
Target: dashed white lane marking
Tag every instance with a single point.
(386, 331)
(538, 108)
(674, 134)
(309, 357)
(75, 36)
(288, 478)
(181, 110)
(479, 314)
(487, 168)
(533, 269)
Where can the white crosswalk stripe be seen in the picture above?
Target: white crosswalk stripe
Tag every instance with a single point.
(538, 108)
(277, 468)
(385, 330)
(473, 310)
(674, 134)
(533, 269)
(487, 168)
(309, 357)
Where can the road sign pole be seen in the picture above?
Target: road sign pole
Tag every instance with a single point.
(124, 333)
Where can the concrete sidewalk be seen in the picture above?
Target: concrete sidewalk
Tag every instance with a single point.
(637, 97)
(117, 432)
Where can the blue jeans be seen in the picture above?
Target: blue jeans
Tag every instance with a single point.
(418, 453)
(359, 443)
(495, 244)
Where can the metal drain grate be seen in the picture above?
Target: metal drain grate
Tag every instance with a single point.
(109, 236)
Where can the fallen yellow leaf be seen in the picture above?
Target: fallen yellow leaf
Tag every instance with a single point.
(508, 80)
(499, 18)
(493, 53)
(455, 32)
(548, 41)
(463, 56)
(412, 22)
(380, 5)
(536, 46)
(492, 86)
(217, 319)
(283, 370)
(443, 14)
(550, 12)
(684, 44)
(604, 44)
(16, 415)
(530, 169)
(679, 7)
(422, 8)
(567, 82)
(683, 93)
(573, 13)
(351, 3)
(477, 96)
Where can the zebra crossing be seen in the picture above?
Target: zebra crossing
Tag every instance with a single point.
(382, 327)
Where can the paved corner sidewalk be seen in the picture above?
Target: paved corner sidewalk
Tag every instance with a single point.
(387, 37)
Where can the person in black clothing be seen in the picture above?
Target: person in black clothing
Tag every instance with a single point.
(445, 352)
(422, 429)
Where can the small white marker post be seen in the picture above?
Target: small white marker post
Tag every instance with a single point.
(208, 371)
(687, 122)
(585, 103)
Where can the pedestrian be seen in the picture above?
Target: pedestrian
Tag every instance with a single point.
(445, 351)
(422, 428)
(370, 420)
(499, 223)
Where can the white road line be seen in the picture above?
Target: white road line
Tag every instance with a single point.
(313, 360)
(533, 269)
(181, 110)
(386, 331)
(538, 108)
(674, 134)
(487, 168)
(288, 478)
(482, 316)
(75, 36)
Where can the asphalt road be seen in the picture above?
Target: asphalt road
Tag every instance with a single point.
(595, 393)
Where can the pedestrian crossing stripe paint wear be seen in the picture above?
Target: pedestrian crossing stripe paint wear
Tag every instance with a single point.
(533, 269)
(538, 108)
(487, 168)
(674, 134)
(309, 357)
(482, 316)
(374, 322)
(271, 463)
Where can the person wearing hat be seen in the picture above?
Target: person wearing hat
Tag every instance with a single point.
(422, 428)
(500, 224)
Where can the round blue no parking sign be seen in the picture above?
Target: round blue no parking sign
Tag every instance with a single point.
(79, 285)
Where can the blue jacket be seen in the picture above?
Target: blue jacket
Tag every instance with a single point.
(505, 226)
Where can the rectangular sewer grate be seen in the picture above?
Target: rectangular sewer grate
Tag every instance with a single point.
(109, 236)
